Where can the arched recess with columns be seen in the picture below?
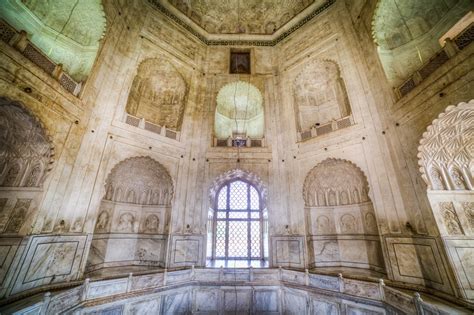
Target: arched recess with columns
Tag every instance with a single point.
(341, 224)
(134, 214)
(26, 156)
(446, 159)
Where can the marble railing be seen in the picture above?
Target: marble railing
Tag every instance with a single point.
(19, 40)
(451, 48)
(235, 142)
(284, 289)
(319, 130)
(146, 125)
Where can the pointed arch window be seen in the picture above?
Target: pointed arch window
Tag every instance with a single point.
(238, 223)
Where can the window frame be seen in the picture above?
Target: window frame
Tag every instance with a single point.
(262, 219)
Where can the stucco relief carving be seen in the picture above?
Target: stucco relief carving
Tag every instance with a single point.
(348, 224)
(139, 180)
(469, 210)
(158, 94)
(152, 222)
(446, 148)
(370, 222)
(332, 178)
(102, 222)
(450, 218)
(323, 225)
(231, 17)
(25, 150)
(126, 223)
(18, 216)
(320, 95)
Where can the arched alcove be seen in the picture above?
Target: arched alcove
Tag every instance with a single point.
(446, 159)
(237, 220)
(158, 94)
(26, 156)
(407, 32)
(25, 149)
(341, 223)
(239, 112)
(320, 95)
(68, 32)
(134, 213)
(446, 152)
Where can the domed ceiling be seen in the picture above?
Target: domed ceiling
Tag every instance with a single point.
(256, 20)
(241, 16)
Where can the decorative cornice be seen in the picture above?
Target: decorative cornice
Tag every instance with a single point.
(241, 42)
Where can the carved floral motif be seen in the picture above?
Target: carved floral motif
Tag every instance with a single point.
(450, 218)
(18, 216)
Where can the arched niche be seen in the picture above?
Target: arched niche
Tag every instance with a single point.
(341, 179)
(320, 94)
(446, 151)
(446, 160)
(132, 222)
(340, 218)
(407, 32)
(239, 112)
(25, 149)
(158, 94)
(68, 32)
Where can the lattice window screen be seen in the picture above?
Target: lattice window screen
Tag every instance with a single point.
(238, 223)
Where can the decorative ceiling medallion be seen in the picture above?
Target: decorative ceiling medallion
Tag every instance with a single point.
(242, 42)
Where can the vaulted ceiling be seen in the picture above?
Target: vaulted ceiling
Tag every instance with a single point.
(240, 16)
(267, 21)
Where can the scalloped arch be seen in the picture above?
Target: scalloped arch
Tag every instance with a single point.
(139, 180)
(26, 146)
(446, 151)
(335, 182)
(238, 174)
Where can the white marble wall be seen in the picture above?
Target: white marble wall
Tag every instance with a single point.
(86, 150)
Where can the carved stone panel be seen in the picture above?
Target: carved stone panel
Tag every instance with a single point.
(18, 215)
(450, 218)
